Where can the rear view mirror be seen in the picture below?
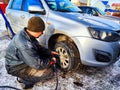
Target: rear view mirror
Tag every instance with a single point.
(36, 9)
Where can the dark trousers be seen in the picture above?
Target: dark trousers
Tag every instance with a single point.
(32, 75)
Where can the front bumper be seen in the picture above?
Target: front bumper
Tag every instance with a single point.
(97, 53)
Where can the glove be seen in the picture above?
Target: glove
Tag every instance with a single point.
(52, 62)
(55, 61)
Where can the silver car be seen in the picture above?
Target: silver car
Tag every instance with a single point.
(79, 39)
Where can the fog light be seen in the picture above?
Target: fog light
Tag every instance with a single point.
(102, 56)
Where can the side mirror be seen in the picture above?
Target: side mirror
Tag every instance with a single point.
(36, 10)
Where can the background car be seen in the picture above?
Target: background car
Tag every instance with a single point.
(94, 11)
(79, 39)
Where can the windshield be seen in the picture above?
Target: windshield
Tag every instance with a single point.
(62, 6)
(100, 11)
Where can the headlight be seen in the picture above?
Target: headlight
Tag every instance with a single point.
(105, 35)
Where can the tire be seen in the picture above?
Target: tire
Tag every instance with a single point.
(69, 56)
(9, 33)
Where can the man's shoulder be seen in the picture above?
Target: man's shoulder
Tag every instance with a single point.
(21, 38)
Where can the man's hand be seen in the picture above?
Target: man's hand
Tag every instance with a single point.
(54, 53)
(53, 61)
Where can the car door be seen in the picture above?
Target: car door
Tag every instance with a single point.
(16, 15)
(34, 8)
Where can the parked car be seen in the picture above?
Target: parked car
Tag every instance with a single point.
(78, 39)
(94, 11)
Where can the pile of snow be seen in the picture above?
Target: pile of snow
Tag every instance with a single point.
(85, 78)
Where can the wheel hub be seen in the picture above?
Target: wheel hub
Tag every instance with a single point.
(64, 57)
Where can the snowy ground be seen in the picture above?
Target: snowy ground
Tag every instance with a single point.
(89, 78)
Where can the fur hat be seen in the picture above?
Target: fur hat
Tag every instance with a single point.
(36, 24)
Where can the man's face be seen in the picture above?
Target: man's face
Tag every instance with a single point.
(38, 34)
(35, 34)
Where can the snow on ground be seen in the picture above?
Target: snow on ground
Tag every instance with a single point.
(86, 78)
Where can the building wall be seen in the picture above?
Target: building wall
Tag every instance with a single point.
(116, 6)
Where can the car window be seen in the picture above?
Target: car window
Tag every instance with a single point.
(62, 5)
(100, 11)
(86, 10)
(35, 2)
(25, 5)
(89, 11)
(83, 9)
(94, 13)
(17, 4)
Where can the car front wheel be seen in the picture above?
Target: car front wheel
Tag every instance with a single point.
(69, 56)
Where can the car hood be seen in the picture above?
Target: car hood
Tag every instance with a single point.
(90, 21)
(115, 19)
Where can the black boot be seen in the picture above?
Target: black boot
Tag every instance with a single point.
(28, 86)
(25, 84)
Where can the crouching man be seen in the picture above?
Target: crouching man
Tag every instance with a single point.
(26, 58)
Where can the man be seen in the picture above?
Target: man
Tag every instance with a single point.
(28, 60)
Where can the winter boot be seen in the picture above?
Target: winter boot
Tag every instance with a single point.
(25, 85)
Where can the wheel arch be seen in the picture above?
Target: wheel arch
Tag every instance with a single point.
(60, 37)
(56, 38)
(64, 38)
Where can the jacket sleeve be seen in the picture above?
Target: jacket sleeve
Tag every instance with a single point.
(33, 58)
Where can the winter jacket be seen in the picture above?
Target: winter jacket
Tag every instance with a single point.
(25, 50)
